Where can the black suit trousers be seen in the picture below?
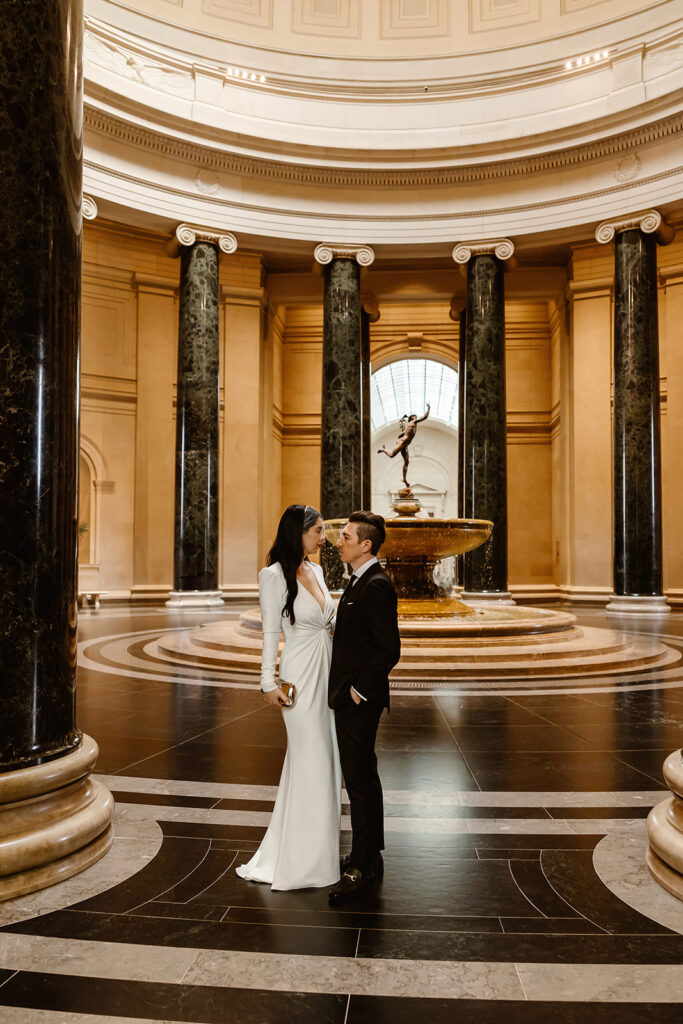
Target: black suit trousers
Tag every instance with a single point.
(356, 726)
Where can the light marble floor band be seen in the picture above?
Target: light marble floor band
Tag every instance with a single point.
(429, 826)
(619, 862)
(436, 797)
(135, 844)
(342, 975)
(20, 1015)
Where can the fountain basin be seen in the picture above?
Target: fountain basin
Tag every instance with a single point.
(410, 552)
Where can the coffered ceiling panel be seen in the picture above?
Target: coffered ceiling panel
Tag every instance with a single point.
(408, 18)
(249, 12)
(486, 15)
(327, 17)
(569, 6)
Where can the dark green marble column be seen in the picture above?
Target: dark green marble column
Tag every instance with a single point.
(369, 315)
(462, 386)
(637, 552)
(40, 241)
(637, 474)
(195, 564)
(484, 427)
(341, 441)
(366, 427)
(637, 481)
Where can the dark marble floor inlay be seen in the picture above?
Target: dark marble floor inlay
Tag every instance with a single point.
(496, 809)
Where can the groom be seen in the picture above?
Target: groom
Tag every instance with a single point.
(366, 647)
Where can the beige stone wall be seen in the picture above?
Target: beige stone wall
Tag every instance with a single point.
(128, 383)
(670, 266)
(527, 351)
(559, 323)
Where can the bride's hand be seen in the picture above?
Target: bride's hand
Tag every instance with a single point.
(276, 697)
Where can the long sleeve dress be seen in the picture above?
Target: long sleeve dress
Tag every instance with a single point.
(301, 846)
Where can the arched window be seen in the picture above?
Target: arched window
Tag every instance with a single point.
(408, 386)
(401, 388)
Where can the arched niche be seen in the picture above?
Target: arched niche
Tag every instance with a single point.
(92, 476)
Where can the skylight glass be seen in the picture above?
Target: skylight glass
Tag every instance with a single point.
(408, 386)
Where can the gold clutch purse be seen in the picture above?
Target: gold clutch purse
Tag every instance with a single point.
(289, 690)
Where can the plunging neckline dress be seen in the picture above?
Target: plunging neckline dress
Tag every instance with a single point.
(301, 846)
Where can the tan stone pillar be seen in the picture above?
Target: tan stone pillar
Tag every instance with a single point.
(589, 463)
(157, 333)
(243, 321)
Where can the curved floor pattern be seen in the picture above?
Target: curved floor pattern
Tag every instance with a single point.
(172, 654)
(515, 885)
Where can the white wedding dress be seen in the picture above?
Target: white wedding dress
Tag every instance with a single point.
(301, 847)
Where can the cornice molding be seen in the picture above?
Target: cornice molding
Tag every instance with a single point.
(305, 171)
(326, 252)
(186, 235)
(502, 248)
(287, 213)
(650, 222)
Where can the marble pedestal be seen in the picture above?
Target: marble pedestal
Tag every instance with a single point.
(194, 599)
(630, 604)
(55, 820)
(665, 830)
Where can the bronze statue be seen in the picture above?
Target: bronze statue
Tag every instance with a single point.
(408, 430)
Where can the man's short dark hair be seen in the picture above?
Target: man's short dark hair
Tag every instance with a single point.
(369, 526)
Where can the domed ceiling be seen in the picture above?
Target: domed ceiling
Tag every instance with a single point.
(391, 122)
(388, 28)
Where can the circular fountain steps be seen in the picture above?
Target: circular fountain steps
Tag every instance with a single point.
(553, 645)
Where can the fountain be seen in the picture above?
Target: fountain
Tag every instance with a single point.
(412, 548)
(444, 641)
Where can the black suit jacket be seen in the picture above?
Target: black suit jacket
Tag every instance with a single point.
(366, 642)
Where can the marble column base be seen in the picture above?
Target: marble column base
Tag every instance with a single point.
(503, 597)
(55, 820)
(665, 830)
(194, 599)
(629, 604)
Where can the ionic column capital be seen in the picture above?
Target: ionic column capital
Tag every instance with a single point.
(89, 208)
(503, 248)
(186, 235)
(370, 305)
(328, 251)
(650, 222)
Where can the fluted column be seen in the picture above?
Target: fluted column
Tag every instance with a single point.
(341, 442)
(47, 832)
(637, 553)
(195, 561)
(484, 419)
(369, 314)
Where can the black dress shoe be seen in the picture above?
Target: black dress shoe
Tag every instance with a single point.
(350, 883)
(377, 864)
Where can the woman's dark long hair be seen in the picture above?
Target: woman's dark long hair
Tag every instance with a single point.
(288, 550)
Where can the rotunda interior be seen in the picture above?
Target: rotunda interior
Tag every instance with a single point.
(304, 220)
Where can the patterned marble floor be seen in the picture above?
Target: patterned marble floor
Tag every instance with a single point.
(515, 883)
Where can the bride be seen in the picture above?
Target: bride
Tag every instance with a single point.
(301, 846)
